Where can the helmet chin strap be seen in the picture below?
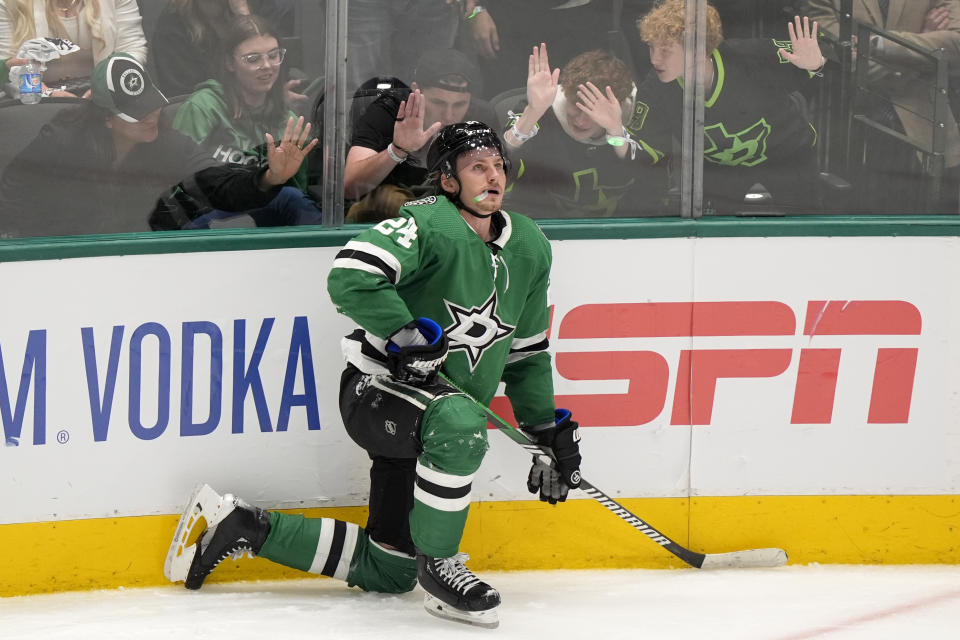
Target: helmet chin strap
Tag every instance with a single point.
(455, 198)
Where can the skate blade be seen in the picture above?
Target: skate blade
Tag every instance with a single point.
(487, 619)
(201, 509)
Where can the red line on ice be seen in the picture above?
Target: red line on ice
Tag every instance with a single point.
(877, 615)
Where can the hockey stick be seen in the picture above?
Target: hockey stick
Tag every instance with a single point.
(749, 558)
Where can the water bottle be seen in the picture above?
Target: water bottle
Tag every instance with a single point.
(30, 83)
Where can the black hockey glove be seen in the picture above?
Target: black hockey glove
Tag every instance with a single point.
(562, 438)
(416, 352)
(545, 478)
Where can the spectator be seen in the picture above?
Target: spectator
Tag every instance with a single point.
(575, 157)
(755, 126)
(230, 116)
(186, 42)
(904, 103)
(390, 140)
(387, 38)
(102, 166)
(500, 30)
(99, 27)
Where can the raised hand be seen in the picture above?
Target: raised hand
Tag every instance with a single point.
(602, 107)
(408, 132)
(542, 83)
(806, 50)
(284, 159)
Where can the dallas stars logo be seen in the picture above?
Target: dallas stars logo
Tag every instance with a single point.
(131, 81)
(475, 330)
(747, 148)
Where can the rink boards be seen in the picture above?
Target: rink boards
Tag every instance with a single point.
(797, 392)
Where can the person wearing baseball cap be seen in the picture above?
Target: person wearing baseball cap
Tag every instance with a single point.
(123, 87)
(390, 141)
(107, 166)
(447, 69)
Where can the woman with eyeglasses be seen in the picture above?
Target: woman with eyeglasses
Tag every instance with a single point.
(188, 36)
(229, 116)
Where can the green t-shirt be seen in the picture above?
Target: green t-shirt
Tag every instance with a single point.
(206, 118)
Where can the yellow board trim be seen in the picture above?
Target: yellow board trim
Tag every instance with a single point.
(113, 552)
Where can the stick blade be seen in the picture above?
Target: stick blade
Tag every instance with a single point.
(748, 559)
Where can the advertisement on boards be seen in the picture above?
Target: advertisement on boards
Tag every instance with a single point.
(728, 366)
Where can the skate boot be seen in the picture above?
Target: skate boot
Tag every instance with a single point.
(233, 528)
(455, 593)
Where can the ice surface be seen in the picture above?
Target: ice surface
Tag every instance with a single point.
(788, 603)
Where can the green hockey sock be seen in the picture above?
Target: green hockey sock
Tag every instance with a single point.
(440, 505)
(454, 436)
(377, 568)
(318, 545)
(340, 550)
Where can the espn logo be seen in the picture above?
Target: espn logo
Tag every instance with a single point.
(697, 371)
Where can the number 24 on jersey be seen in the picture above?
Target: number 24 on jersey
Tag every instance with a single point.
(404, 230)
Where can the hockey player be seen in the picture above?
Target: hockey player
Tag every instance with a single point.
(453, 284)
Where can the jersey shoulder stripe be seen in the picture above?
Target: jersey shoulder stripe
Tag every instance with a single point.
(368, 257)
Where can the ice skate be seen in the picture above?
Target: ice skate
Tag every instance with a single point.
(453, 592)
(211, 528)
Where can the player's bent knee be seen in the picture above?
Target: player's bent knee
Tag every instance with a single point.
(376, 568)
(454, 434)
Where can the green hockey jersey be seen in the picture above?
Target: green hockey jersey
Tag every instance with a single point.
(490, 298)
